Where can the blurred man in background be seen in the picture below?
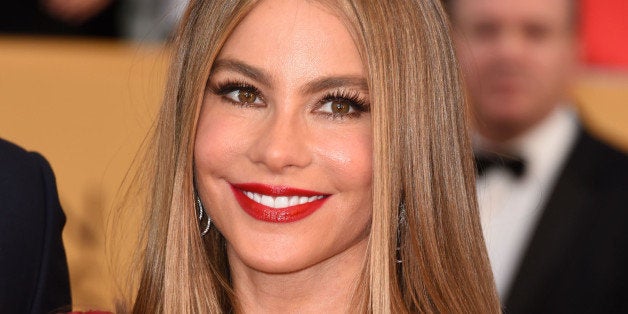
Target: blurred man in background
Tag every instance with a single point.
(33, 268)
(553, 199)
(60, 17)
(150, 20)
(137, 20)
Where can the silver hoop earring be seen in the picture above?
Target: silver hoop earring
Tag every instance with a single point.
(201, 212)
(401, 224)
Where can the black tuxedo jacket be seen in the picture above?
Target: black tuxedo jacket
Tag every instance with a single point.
(577, 259)
(33, 268)
(30, 17)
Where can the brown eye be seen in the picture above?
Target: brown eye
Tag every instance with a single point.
(243, 95)
(340, 107)
(246, 97)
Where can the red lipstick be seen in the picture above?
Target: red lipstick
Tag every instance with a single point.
(278, 204)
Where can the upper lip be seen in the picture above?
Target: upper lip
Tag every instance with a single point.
(275, 190)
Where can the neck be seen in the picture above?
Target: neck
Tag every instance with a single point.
(327, 287)
(499, 135)
(500, 132)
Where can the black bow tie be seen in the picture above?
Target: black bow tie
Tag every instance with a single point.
(485, 161)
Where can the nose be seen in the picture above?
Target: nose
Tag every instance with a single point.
(282, 142)
(510, 46)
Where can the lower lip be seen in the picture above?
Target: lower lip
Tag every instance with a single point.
(277, 215)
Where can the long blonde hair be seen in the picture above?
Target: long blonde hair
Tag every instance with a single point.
(424, 208)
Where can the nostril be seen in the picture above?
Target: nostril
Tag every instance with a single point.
(280, 146)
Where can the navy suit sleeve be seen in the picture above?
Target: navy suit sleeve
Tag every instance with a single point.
(53, 287)
(33, 269)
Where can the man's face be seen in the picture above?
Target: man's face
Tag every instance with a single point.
(518, 56)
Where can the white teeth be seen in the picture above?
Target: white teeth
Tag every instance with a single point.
(294, 200)
(268, 201)
(280, 201)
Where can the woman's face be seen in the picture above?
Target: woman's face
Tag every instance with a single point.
(284, 142)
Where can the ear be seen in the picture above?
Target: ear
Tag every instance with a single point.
(578, 55)
(574, 56)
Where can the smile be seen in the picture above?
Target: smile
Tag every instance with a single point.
(280, 201)
(279, 204)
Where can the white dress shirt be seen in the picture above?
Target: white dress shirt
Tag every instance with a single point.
(511, 206)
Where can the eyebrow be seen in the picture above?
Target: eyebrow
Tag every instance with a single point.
(318, 85)
(331, 82)
(242, 68)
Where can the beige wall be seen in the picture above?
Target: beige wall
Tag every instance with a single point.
(603, 102)
(87, 105)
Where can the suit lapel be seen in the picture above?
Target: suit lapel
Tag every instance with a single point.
(565, 213)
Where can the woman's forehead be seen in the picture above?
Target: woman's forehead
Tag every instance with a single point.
(293, 40)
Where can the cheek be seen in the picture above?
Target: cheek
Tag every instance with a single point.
(557, 65)
(217, 142)
(348, 157)
(553, 72)
(477, 55)
(475, 62)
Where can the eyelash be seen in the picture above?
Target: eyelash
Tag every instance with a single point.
(231, 86)
(353, 98)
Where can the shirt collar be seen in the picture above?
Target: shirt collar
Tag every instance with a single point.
(545, 146)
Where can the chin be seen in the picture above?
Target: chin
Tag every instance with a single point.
(272, 262)
(504, 109)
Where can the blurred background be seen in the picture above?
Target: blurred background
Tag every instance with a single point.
(81, 81)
